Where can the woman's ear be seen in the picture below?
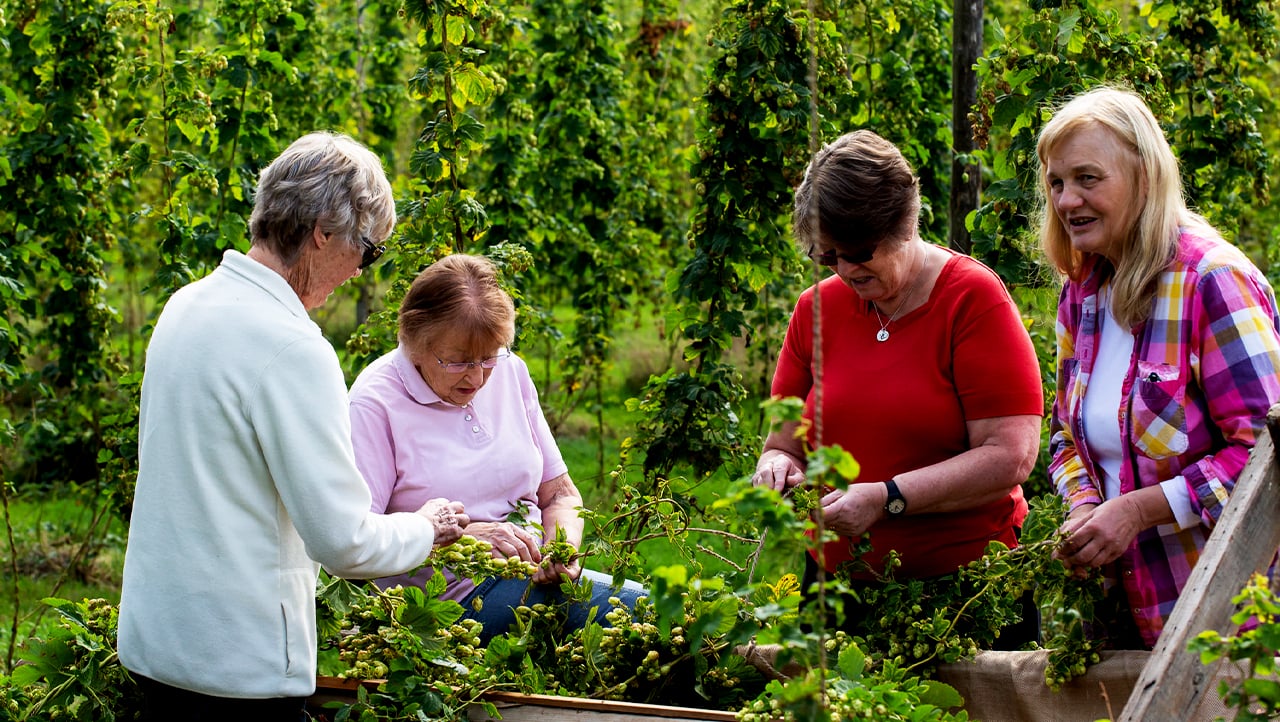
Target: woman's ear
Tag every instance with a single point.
(319, 237)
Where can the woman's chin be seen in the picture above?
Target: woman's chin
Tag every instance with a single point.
(460, 399)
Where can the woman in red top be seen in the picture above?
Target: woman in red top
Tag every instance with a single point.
(928, 375)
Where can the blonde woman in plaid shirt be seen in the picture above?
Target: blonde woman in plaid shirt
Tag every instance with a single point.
(1168, 357)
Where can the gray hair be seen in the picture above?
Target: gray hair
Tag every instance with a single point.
(322, 179)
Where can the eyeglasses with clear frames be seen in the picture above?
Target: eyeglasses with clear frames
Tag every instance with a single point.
(461, 367)
(372, 252)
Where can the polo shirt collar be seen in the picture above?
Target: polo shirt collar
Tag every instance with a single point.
(412, 380)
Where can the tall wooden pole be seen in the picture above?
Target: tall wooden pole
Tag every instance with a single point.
(966, 46)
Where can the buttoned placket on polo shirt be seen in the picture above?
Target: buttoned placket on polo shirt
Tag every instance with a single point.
(470, 418)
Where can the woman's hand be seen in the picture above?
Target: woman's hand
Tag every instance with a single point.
(551, 573)
(560, 501)
(448, 519)
(507, 540)
(1098, 534)
(777, 470)
(852, 511)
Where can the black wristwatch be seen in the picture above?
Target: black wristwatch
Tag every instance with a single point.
(894, 505)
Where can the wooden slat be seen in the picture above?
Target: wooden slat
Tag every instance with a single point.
(539, 707)
(1243, 542)
(515, 707)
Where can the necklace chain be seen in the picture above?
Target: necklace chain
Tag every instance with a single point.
(883, 334)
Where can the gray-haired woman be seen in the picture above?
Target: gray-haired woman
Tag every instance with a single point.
(247, 481)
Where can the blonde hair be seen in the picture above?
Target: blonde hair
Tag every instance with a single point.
(1147, 249)
(458, 293)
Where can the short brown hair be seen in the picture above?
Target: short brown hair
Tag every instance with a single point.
(858, 190)
(458, 293)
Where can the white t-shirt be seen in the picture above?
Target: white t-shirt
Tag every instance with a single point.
(1102, 404)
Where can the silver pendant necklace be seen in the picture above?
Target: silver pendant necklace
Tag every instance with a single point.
(883, 334)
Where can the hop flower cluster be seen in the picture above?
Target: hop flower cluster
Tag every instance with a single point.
(804, 501)
(375, 638)
(473, 559)
(637, 662)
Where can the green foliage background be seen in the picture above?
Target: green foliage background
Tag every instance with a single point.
(628, 164)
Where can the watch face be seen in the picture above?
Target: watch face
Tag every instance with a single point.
(896, 506)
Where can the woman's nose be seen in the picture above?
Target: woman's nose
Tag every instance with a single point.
(844, 265)
(1067, 198)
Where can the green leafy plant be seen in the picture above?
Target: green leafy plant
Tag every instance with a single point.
(1257, 697)
(420, 646)
(74, 674)
(850, 692)
(1058, 50)
(918, 624)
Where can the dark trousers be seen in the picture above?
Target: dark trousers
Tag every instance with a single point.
(165, 703)
(1112, 620)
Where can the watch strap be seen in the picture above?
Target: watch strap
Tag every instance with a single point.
(894, 504)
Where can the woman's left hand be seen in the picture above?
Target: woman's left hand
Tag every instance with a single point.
(551, 573)
(448, 519)
(852, 511)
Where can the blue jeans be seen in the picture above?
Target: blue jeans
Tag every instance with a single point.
(502, 596)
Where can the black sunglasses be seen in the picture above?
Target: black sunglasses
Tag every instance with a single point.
(833, 257)
(372, 252)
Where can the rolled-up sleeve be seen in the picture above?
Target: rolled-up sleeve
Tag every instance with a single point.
(1239, 372)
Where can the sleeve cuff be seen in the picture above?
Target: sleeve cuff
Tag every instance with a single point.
(1179, 498)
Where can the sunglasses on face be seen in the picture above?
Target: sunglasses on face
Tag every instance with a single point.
(372, 252)
(832, 258)
(461, 367)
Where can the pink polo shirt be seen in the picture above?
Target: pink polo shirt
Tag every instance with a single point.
(412, 446)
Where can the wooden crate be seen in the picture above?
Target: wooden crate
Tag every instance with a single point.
(515, 707)
(544, 708)
(1173, 683)
(1168, 684)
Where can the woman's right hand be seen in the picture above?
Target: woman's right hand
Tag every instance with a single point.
(507, 540)
(777, 470)
(1070, 547)
(447, 518)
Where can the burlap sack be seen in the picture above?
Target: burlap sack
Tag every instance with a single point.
(1009, 687)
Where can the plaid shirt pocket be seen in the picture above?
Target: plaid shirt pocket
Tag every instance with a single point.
(1159, 410)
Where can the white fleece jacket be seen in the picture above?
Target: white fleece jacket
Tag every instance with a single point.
(247, 480)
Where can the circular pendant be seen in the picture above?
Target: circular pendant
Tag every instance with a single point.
(882, 335)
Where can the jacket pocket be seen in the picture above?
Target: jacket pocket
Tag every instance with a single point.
(1159, 410)
(297, 610)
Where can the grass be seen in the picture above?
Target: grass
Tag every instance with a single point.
(643, 351)
(61, 547)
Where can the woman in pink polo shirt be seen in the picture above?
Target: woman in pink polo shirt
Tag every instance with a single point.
(452, 413)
